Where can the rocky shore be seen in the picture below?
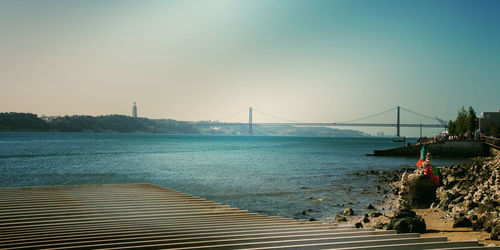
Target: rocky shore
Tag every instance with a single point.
(374, 215)
(470, 195)
(467, 203)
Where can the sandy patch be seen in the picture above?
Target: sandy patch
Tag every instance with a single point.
(438, 226)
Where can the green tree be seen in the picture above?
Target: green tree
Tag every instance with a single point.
(466, 122)
(461, 121)
(452, 128)
(472, 121)
(22, 122)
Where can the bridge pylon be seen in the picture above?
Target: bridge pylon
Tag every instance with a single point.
(250, 128)
(398, 125)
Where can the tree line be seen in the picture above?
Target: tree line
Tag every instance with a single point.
(12, 121)
(127, 124)
(22, 121)
(466, 122)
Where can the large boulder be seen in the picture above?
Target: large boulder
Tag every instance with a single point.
(418, 191)
(407, 221)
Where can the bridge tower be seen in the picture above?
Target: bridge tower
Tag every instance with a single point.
(397, 125)
(250, 129)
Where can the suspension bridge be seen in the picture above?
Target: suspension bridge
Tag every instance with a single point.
(351, 123)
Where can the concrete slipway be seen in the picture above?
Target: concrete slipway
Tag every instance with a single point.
(144, 216)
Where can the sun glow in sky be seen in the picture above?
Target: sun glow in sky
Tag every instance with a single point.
(311, 61)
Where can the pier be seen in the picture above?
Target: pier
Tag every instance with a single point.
(145, 216)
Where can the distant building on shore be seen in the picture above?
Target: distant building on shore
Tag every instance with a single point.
(489, 123)
(134, 111)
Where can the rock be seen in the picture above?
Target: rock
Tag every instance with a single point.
(458, 199)
(462, 222)
(401, 226)
(474, 217)
(488, 206)
(358, 225)
(348, 212)
(419, 191)
(478, 224)
(410, 225)
(375, 214)
(312, 219)
(470, 204)
(340, 218)
(469, 195)
(370, 206)
(406, 221)
(404, 214)
(366, 220)
(488, 223)
(495, 232)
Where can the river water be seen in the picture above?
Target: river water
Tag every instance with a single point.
(280, 176)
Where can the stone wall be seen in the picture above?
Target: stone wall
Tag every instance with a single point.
(454, 149)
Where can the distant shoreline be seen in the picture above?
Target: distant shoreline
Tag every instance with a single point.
(26, 122)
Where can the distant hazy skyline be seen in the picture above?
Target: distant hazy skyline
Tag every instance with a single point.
(311, 61)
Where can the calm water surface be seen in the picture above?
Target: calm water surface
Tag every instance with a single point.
(280, 176)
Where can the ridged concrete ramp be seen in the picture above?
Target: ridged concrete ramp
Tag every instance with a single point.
(144, 216)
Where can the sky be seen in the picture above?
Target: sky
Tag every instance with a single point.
(306, 61)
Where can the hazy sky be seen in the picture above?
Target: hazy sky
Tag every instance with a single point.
(311, 61)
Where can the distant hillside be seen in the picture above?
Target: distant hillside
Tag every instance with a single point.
(309, 131)
(278, 130)
(126, 124)
(107, 123)
(22, 122)
(120, 124)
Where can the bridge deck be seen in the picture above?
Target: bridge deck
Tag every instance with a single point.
(331, 124)
(147, 216)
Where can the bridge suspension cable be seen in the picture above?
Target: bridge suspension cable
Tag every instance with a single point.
(370, 116)
(415, 113)
(362, 118)
(344, 123)
(275, 117)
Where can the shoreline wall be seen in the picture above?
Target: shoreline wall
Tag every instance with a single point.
(454, 149)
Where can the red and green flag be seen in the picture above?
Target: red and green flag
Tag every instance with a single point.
(422, 156)
(435, 176)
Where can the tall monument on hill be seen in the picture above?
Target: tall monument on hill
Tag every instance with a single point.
(134, 111)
